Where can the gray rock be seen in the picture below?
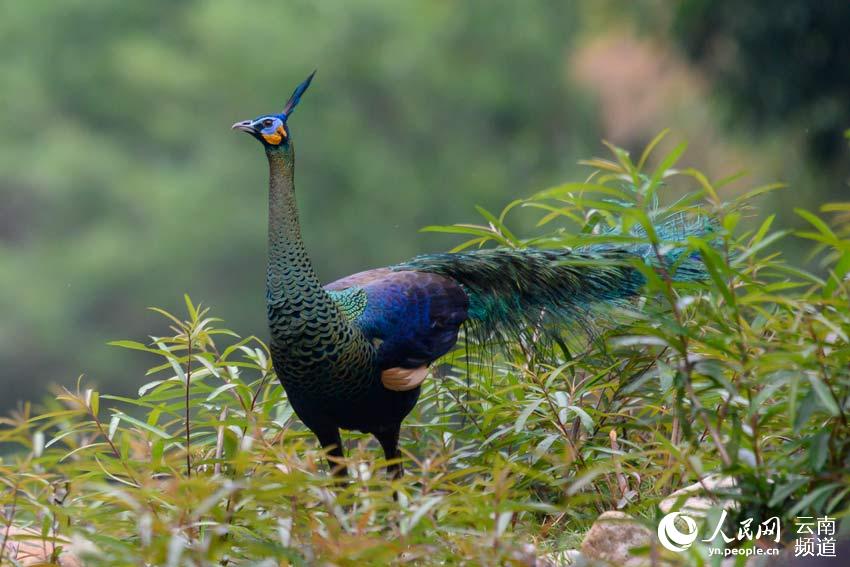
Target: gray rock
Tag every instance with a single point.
(612, 537)
(694, 499)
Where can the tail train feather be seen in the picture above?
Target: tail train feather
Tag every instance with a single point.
(553, 291)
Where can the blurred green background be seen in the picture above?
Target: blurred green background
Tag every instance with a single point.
(122, 187)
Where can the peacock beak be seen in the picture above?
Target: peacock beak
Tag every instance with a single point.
(244, 126)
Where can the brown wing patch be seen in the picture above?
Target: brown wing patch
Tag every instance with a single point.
(403, 379)
(360, 278)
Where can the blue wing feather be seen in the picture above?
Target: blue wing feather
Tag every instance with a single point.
(413, 317)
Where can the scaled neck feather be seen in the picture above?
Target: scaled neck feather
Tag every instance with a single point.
(290, 273)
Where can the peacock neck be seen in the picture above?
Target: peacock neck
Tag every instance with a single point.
(313, 345)
(290, 273)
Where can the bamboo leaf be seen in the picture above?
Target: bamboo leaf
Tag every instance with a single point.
(526, 413)
(824, 395)
(651, 146)
(144, 426)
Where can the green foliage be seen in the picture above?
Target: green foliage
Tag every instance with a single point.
(745, 374)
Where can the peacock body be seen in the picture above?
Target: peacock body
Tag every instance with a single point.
(352, 354)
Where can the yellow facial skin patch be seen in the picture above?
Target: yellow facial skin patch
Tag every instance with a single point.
(277, 137)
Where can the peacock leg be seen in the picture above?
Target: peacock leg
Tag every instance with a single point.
(332, 443)
(388, 438)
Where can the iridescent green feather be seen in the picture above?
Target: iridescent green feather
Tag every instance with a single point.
(351, 301)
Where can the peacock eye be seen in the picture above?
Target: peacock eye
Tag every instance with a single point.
(268, 122)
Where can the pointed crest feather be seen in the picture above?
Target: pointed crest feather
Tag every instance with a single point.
(296, 96)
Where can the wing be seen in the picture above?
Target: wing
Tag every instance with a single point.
(358, 279)
(412, 317)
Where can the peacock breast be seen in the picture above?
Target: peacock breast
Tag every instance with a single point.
(325, 370)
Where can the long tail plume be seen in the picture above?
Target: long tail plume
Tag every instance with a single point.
(553, 291)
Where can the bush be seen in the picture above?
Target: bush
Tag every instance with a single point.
(508, 457)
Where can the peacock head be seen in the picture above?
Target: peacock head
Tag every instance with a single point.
(271, 129)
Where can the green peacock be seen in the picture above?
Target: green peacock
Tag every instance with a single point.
(353, 354)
